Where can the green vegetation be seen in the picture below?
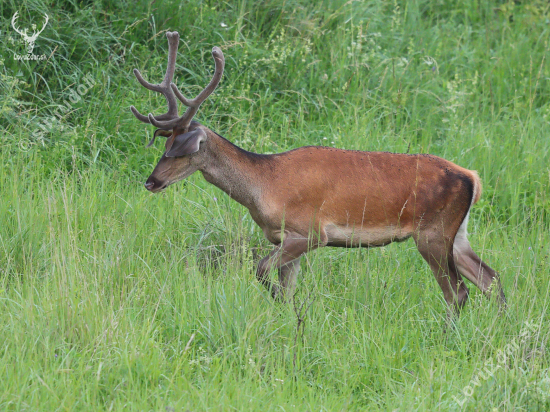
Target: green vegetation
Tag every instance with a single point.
(115, 299)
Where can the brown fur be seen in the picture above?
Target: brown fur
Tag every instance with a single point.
(319, 196)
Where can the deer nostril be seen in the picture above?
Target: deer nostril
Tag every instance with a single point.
(154, 185)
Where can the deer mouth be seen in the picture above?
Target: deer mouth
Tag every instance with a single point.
(153, 185)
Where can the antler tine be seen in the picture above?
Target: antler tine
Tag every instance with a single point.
(45, 22)
(35, 33)
(193, 105)
(13, 20)
(168, 120)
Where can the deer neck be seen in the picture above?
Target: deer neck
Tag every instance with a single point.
(234, 170)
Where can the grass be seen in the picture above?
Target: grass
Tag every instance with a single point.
(115, 299)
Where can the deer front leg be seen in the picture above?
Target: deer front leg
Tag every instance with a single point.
(286, 258)
(288, 274)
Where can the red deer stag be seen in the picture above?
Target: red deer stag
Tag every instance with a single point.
(319, 196)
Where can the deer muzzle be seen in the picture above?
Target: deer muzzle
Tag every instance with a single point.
(154, 185)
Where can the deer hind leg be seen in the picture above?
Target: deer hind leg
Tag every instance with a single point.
(286, 259)
(437, 250)
(474, 269)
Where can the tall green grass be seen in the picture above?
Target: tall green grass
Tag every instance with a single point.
(115, 299)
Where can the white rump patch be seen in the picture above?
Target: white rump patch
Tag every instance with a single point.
(461, 238)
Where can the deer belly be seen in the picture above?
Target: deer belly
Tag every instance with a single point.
(347, 236)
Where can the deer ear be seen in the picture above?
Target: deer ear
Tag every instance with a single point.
(187, 143)
(159, 132)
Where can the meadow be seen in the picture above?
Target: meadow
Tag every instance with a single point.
(113, 298)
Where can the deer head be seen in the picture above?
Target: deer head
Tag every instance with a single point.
(184, 136)
(32, 38)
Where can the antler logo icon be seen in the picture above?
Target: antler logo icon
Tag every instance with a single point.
(29, 39)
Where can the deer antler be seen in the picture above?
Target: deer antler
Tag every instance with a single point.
(164, 86)
(170, 119)
(36, 34)
(24, 32)
(29, 39)
(14, 18)
(194, 104)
